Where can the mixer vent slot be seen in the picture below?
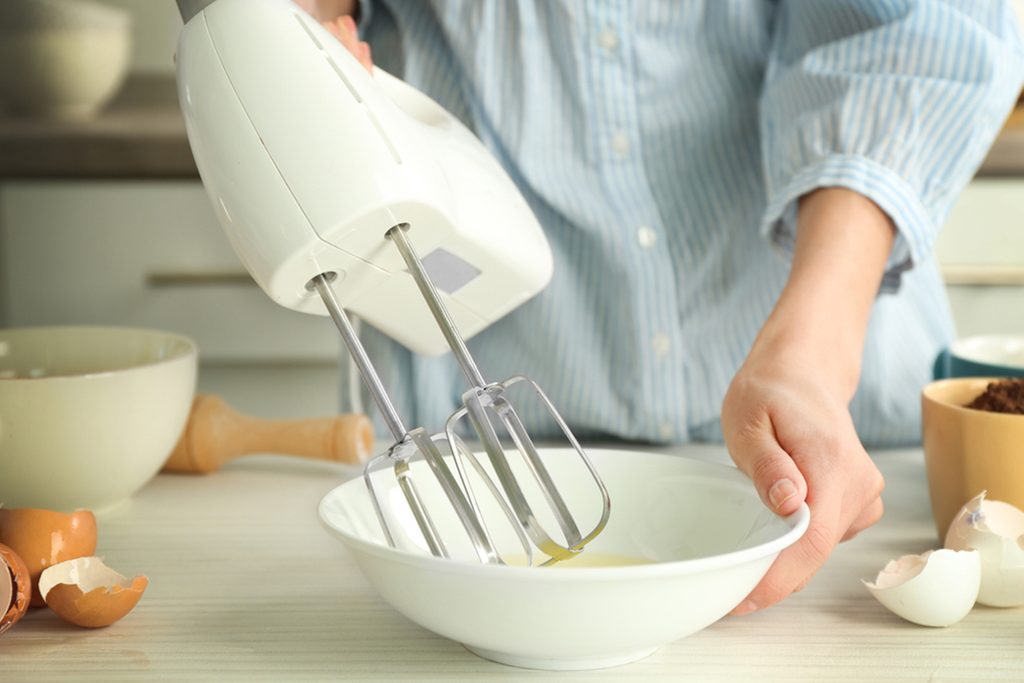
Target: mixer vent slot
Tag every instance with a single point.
(303, 22)
(341, 75)
(305, 27)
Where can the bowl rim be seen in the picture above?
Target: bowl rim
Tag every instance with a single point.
(797, 521)
(190, 351)
(956, 348)
(926, 395)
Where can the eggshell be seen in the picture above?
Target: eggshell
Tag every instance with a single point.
(15, 588)
(996, 530)
(936, 588)
(43, 538)
(6, 586)
(88, 593)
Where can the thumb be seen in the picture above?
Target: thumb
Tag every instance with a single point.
(776, 477)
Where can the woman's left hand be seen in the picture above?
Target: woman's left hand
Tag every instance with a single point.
(790, 432)
(785, 417)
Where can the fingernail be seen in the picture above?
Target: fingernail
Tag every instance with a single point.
(747, 607)
(781, 491)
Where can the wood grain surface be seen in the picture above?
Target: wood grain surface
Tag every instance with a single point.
(246, 586)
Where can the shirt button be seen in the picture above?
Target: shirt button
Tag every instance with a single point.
(608, 39)
(646, 237)
(666, 431)
(661, 344)
(620, 143)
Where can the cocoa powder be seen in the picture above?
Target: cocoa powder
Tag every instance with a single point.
(1004, 396)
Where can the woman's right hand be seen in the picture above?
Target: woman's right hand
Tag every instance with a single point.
(336, 17)
(344, 29)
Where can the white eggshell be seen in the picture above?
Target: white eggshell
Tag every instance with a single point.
(996, 530)
(936, 588)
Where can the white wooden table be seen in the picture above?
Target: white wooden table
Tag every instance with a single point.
(245, 585)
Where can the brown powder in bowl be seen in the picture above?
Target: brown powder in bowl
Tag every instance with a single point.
(1004, 396)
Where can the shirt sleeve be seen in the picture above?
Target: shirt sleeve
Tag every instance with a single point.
(365, 16)
(898, 100)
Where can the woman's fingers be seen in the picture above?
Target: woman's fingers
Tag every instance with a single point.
(345, 30)
(795, 565)
(868, 517)
(776, 477)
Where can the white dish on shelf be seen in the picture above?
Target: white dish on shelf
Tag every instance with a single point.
(701, 526)
(63, 59)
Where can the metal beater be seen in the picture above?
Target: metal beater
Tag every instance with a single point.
(487, 408)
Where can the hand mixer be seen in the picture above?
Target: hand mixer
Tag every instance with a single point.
(330, 182)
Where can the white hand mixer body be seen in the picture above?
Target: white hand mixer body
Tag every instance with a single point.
(317, 171)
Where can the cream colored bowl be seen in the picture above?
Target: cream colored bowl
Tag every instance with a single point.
(969, 451)
(88, 414)
(702, 526)
(61, 58)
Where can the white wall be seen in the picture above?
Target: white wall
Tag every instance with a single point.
(156, 24)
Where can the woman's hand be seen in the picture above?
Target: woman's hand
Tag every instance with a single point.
(336, 17)
(792, 434)
(785, 417)
(344, 29)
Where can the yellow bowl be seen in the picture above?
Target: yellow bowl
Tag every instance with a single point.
(969, 451)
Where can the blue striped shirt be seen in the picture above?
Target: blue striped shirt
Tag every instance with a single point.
(663, 145)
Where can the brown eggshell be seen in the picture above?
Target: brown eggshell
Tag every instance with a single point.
(15, 588)
(43, 538)
(87, 593)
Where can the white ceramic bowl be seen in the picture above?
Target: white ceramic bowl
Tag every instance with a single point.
(61, 58)
(88, 414)
(702, 525)
(999, 350)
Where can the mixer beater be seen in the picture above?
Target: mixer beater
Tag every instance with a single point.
(489, 411)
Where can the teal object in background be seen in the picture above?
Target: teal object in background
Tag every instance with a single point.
(986, 356)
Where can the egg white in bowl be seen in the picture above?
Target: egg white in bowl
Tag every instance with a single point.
(703, 536)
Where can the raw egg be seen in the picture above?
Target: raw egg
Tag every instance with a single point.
(43, 538)
(88, 593)
(15, 588)
(996, 530)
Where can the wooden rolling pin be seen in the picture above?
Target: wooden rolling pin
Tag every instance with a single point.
(216, 434)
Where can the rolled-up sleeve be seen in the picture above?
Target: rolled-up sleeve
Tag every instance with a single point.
(898, 100)
(365, 15)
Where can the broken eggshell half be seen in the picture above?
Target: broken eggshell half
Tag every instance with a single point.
(936, 588)
(88, 593)
(15, 588)
(996, 530)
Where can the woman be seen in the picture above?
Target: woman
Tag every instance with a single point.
(673, 151)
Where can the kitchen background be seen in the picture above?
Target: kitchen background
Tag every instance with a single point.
(103, 221)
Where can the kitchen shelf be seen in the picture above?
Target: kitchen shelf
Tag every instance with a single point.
(141, 135)
(1006, 158)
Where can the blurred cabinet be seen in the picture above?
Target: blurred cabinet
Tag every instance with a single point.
(151, 254)
(981, 252)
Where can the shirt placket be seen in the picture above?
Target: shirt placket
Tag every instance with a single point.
(637, 229)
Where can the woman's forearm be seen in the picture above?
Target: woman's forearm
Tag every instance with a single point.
(842, 242)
